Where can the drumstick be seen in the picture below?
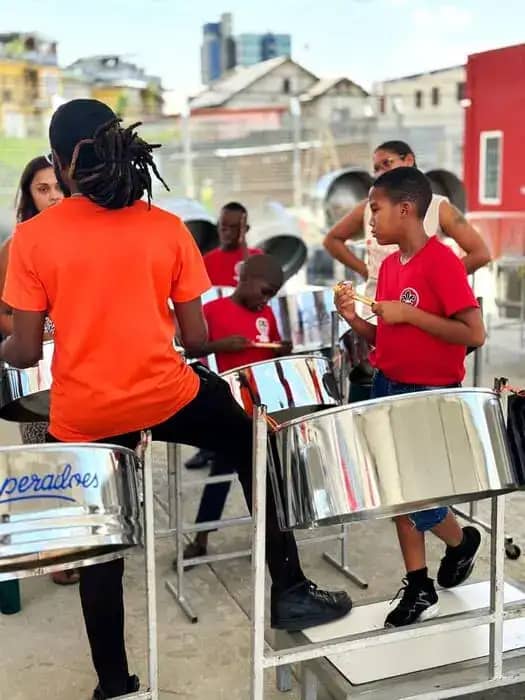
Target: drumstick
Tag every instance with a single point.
(270, 346)
(364, 300)
(358, 297)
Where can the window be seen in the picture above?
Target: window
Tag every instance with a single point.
(286, 86)
(7, 95)
(418, 99)
(435, 96)
(490, 167)
(341, 115)
(461, 91)
(382, 105)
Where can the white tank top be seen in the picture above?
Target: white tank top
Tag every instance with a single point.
(377, 253)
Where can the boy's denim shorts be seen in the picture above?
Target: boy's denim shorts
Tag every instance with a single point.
(382, 386)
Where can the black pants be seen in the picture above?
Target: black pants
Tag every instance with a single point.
(213, 421)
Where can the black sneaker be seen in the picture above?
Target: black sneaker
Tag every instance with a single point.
(458, 562)
(132, 687)
(304, 605)
(418, 603)
(200, 460)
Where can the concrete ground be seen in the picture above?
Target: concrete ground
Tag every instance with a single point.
(44, 651)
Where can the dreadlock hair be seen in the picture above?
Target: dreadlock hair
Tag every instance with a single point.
(122, 173)
(110, 165)
(406, 184)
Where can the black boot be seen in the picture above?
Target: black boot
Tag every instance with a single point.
(304, 605)
(132, 687)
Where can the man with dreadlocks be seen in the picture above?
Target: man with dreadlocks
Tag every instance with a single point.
(101, 264)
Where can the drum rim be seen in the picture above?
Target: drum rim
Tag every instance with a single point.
(385, 400)
(49, 446)
(302, 356)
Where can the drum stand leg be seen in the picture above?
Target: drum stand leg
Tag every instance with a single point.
(497, 586)
(176, 514)
(258, 553)
(342, 564)
(149, 544)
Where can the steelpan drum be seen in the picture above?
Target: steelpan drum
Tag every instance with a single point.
(305, 317)
(391, 456)
(65, 505)
(24, 393)
(287, 386)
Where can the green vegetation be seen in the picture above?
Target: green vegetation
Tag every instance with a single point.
(14, 153)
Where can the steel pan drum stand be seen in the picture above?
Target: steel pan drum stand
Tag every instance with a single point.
(512, 550)
(179, 529)
(152, 693)
(494, 616)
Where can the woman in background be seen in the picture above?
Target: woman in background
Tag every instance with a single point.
(37, 191)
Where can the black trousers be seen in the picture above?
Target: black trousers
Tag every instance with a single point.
(213, 421)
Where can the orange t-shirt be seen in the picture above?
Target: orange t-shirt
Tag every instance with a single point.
(105, 277)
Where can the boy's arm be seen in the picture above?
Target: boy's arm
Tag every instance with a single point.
(463, 328)
(232, 343)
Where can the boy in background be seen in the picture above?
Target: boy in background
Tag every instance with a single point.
(223, 263)
(235, 324)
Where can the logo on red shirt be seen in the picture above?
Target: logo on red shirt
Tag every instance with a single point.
(237, 270)
(409, 296)
(263, 327)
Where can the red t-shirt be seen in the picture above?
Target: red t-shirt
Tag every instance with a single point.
(225, 317)
(434, 280)
(223, 265)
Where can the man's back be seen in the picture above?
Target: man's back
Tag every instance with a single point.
(83, 259)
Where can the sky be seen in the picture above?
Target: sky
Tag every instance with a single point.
(365, 40)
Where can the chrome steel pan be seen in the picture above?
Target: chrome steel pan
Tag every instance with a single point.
(24, 393)
(64, 505)
(288, 386)
(304, 317)
(391, 456)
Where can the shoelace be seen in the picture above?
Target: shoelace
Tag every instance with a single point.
(323, 596)
(403, 589)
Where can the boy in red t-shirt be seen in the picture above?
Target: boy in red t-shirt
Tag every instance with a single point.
(427, 316)
(222, 266)
(223, 263)
(235, 325)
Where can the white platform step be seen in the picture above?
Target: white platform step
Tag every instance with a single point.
(410, 656)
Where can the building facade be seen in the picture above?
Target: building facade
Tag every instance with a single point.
(218, 49)
(253, 48)
(124, 86)
(221, 50)
(425, 109)
(29, 83)
(494, 134)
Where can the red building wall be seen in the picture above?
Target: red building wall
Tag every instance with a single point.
(496, 90)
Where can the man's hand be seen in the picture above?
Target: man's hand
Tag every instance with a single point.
(232, 343)
(393, 312)
(243, 230)
(344, 301)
